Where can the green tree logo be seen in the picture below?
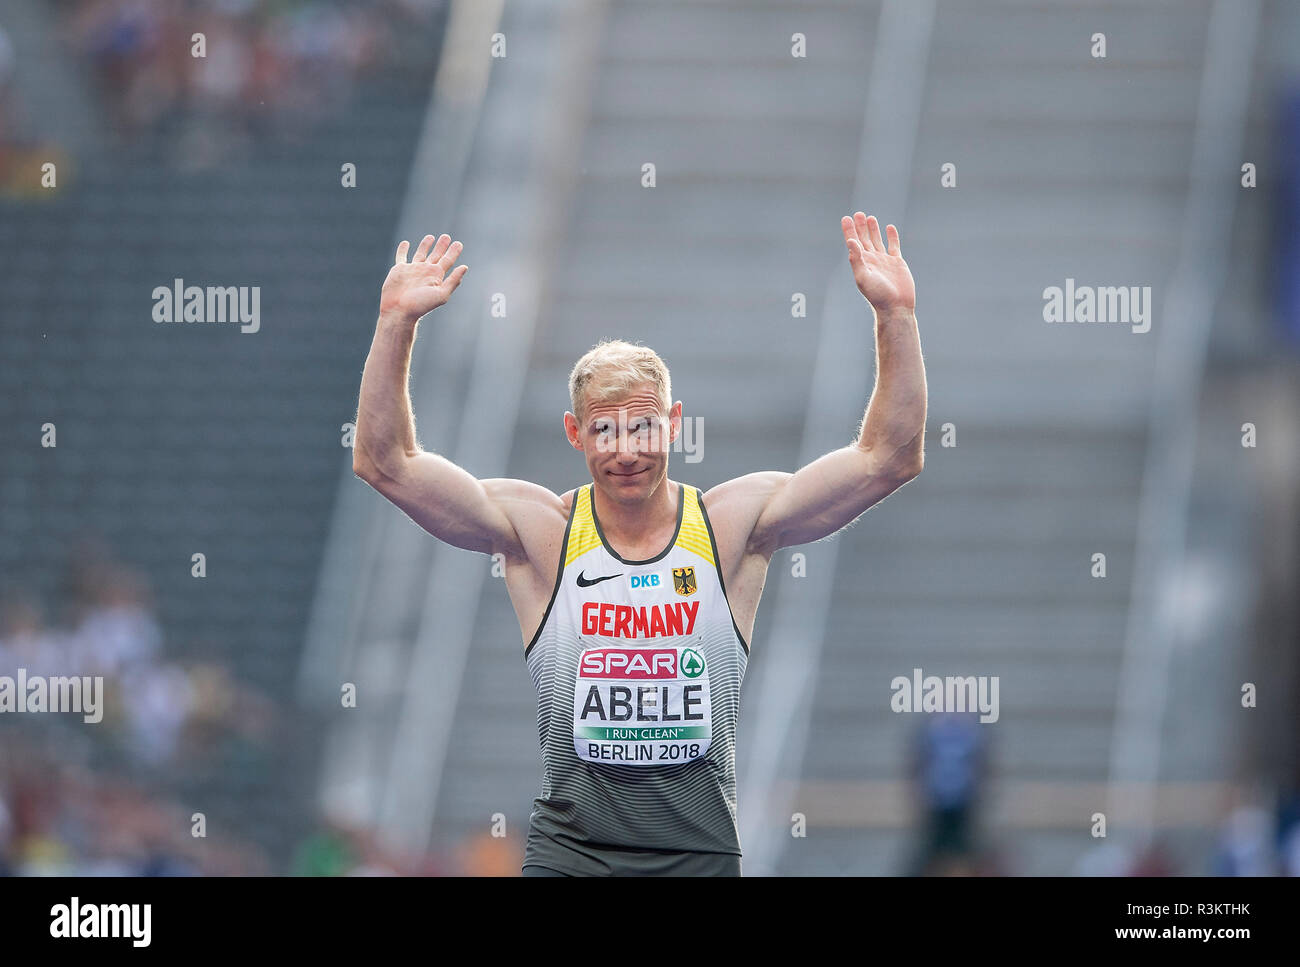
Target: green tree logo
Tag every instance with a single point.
(692, 663)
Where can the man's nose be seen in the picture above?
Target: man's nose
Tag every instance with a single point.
(629, 446)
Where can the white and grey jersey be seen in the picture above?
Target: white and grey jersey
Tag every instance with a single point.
(638, 667)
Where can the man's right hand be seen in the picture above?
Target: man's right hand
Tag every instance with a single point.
(426, 282)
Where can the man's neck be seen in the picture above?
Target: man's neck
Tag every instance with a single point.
(630, 525)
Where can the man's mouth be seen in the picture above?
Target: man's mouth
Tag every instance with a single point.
(634, 473)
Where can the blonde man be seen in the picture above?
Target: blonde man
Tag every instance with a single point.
(636, 594)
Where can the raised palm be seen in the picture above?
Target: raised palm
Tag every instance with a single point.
(882, 276)
(426, 282)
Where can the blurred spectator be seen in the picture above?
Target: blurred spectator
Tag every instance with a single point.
(6, 836)
(1245, 845)
(117, 630)
(1153, 861)
(59, 816)
(23, 641)
(1288, 832)
(1105, 859)
(339, 848)
(1291, 851)
(267, 68)
(326, 852)
(64, 821)
(488, 855)
(949, 768)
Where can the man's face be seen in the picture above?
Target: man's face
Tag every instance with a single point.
(626, 442)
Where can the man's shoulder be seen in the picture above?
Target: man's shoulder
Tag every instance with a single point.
(567, 498)
(744, 490)
(735, 506)
(536, 512)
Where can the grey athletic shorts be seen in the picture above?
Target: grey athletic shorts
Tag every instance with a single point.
(612, 862)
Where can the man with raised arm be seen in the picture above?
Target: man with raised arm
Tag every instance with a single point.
(636, 594)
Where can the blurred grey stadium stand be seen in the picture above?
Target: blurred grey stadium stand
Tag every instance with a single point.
(1067, 167)
(228, 443)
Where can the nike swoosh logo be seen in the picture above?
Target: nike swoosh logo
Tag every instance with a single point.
(584, 583)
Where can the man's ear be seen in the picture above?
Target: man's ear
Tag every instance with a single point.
(571, 430)
(675, 422)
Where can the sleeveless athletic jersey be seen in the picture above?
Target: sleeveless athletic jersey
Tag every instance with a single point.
(637, 666)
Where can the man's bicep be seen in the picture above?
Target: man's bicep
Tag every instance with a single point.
(825, 496)
(451, 504)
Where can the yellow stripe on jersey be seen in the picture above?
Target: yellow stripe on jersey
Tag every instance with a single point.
(694, 536)
(582, 536)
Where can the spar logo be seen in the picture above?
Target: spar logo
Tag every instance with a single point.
(633, 663)
(692, 663)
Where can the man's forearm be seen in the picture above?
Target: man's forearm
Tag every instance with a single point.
(385, 423)
(895, 418)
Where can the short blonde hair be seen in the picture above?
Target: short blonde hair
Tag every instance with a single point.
(610, 369)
